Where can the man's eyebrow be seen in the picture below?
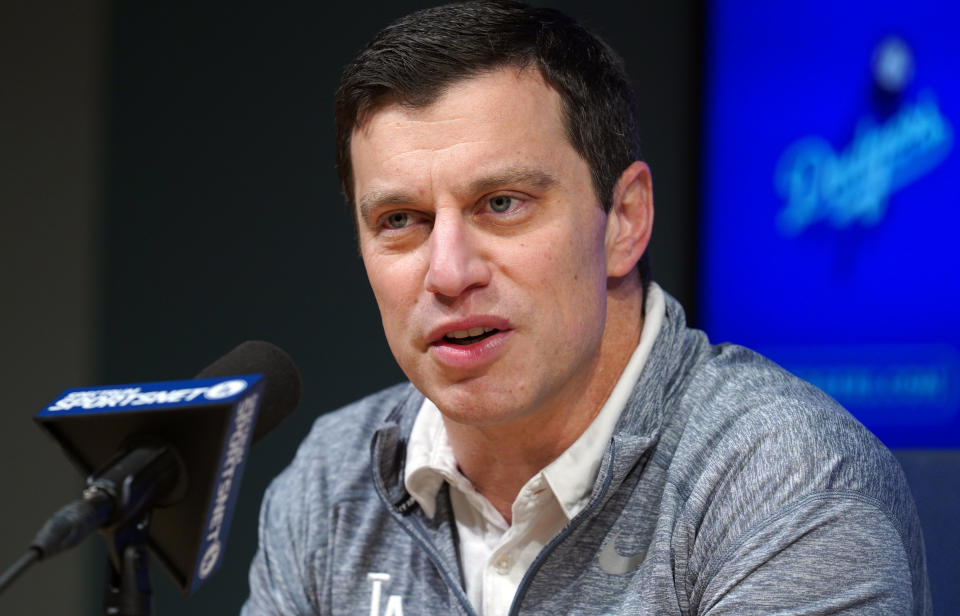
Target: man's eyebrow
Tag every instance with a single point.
(536, 178)
(376, 198)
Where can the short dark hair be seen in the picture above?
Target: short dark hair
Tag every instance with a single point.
(416, 58)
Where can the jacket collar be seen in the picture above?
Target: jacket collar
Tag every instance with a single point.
(388, 450)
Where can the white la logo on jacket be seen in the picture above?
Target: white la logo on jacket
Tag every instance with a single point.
(394, 602)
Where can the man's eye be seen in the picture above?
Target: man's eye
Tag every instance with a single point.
(501, 203)
(397, 220)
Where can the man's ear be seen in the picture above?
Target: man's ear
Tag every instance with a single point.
(630, 220)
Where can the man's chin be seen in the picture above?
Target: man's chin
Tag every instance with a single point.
(472, 404)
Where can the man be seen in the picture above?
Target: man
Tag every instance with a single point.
(566, 443)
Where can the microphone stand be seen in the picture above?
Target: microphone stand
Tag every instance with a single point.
(127, 590)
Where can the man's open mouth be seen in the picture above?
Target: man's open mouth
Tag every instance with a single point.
(469, 336)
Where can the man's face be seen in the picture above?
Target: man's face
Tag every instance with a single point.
(483, 240)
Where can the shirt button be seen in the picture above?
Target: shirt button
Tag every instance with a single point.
(503, 564)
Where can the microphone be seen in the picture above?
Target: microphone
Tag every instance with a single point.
(283, 380)
(170, 456)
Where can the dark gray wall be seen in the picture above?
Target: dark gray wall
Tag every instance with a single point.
(51, 60)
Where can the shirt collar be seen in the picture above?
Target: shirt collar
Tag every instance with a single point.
(572, 475)
(430, 460)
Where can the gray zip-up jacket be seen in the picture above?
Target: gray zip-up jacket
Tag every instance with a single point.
(729, 487)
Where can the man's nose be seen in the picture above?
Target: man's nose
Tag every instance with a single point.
(456, 264)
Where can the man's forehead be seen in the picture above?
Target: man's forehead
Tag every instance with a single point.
(504, 77)
(495, 126)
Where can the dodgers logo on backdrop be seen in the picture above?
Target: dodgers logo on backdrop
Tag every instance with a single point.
(853, 185)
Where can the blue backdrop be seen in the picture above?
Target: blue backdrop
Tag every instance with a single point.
(831, 204)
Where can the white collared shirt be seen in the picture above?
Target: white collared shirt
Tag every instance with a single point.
(495, 555)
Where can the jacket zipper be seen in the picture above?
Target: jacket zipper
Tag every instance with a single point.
(415, 532)
(569, 528)
(411, 529)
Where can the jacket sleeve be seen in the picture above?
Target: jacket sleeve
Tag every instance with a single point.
(289, 564)
(831, 553)
(792, 506)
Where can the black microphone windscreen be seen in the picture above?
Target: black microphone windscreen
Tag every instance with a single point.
(282, 389)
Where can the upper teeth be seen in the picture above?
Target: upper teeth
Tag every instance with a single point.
(469, 333)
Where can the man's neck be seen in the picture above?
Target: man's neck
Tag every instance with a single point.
(499, 459)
